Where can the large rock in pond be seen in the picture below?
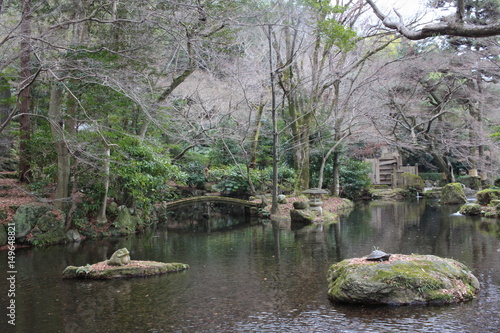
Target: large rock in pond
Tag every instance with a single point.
(401, 280)
(453, 193)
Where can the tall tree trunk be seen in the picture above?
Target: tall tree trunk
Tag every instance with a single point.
(256, 132)
(63, 154)
(24, 94)
(336, 174)
(101, 215)
(5, 105)
(272, 73)
(443, 165)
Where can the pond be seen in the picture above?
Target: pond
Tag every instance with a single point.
(258, 277)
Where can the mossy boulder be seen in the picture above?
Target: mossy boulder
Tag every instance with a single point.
(404, 279)
(471, 209)
(27, 216)
(388, 193)
(300, 205)
(305, 216)
(73, 235)
(470, 182)
(125, 223)
(453, 193)
(3, 235)
(412, 182)
(484, 197)
(135, 268)
(39, 224)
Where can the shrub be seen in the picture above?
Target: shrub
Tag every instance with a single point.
(353, 178)
(231, 182)
(431, 176)
(195, 176)
(141, 174)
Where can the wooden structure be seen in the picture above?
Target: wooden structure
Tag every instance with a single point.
(388, 168)
(210, 198)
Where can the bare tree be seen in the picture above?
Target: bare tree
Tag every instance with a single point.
(432, 107)
(454, 25)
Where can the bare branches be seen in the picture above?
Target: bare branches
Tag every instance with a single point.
(452, 25)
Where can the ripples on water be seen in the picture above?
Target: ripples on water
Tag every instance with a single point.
(259, 278)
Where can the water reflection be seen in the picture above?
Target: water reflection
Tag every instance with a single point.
(265, 277)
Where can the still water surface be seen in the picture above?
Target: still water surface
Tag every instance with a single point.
(258, 277)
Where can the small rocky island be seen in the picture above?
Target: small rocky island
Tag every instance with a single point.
(400, 279)
(120, 266)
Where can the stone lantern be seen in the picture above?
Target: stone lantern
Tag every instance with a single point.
(315, 196)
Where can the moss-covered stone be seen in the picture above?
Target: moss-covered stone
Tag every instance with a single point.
(300, 205)
(305, 216)
(27, 216)
(470, 182)
(39, 224)
(136, 268)
(471, 209)
(404, 279)
(484, 197)
(3, 235)
(388, 193)
(125, 223)
(453, 193)
(412, 182)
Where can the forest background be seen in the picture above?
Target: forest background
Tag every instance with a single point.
(137, 102)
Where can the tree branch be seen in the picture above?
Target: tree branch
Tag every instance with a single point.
(450, 26)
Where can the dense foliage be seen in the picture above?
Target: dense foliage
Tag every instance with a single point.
(138, 102)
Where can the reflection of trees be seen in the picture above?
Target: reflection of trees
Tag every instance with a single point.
(240, 275)
(206, 217)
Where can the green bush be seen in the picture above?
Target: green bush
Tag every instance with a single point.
(484, 197)
(432, 176)
(232, 183)
(229, 180)
(140, 174)
(353, 178)
(195, 176)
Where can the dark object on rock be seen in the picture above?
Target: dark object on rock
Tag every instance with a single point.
(378, 255)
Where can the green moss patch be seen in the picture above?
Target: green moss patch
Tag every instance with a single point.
(404, 279)
(485, 197)
(136, 268)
